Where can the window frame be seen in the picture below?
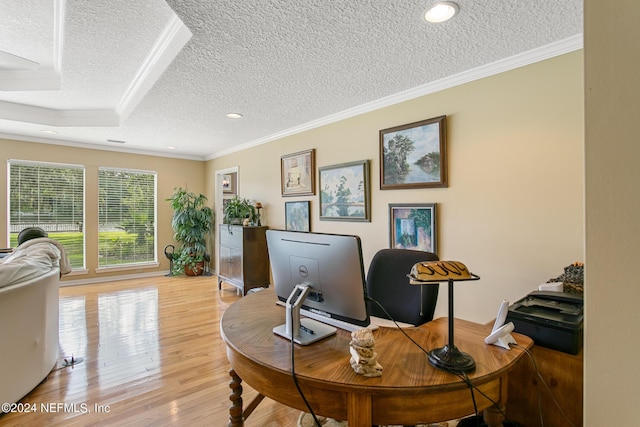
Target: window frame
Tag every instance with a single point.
(11, 163)
(128, 265)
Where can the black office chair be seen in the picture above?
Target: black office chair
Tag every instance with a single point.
(387, 283)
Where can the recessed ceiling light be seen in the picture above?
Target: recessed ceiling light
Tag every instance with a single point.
(234, 115)
(49, 131)
(440, 12)
(171, 147)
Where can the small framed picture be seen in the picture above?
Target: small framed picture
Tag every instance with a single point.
(230, 183)
(345, 192)
(414, 155)
(297, 173)
(413, 226)
(297, 216)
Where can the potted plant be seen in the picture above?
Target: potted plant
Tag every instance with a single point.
(237, 210)
(192, 224)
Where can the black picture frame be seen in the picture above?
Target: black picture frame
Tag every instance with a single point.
(297, 215)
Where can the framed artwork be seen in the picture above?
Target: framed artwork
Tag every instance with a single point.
(298, 173)
(230, 183)
(344, 192)
(414, 155)
(413, 226)
(297, 216)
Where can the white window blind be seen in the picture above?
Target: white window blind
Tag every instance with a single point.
(126, 217)
(49, 196)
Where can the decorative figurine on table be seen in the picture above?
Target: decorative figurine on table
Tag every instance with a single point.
(364, 359)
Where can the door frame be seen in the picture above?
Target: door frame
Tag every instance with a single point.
(218, 201)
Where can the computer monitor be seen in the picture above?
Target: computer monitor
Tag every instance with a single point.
(330, 265)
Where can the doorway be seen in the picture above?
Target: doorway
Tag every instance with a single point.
(222, 183)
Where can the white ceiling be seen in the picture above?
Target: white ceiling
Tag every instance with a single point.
(156, 74)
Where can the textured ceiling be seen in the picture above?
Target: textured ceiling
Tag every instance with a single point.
(156, 74)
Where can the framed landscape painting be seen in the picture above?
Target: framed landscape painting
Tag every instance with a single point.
(414, 155)
(297, 216)
(344, 192)
(297, 173)
(413, 226)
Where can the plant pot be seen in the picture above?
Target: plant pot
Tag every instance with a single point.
(197, 271)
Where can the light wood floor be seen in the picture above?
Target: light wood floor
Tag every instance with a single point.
(153, 356)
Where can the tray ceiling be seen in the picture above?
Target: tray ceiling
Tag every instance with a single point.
(146, 75)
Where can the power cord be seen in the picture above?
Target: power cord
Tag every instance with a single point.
(462, 375)
(466, 379)
(539, 375)
(295, 381)
(390, 317)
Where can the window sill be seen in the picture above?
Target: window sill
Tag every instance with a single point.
(127, 267)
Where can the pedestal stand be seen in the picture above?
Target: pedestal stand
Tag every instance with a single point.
(449, 358)
(304, 331)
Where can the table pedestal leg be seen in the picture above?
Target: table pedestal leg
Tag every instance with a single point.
(235, 411)
(359, 410)
(493, 417)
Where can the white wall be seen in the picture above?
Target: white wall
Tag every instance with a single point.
(513, 211)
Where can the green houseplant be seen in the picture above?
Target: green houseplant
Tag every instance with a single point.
(192, 224)
(237, 209)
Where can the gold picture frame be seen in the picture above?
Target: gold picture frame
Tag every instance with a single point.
(298, 173)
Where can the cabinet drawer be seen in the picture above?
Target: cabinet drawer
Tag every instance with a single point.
(231, 236)
(231, 264)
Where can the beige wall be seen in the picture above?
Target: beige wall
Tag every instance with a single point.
(513, 208)
(513, 211)
(612, 155)
(171, 173)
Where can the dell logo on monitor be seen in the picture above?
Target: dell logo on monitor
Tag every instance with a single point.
(303, 271)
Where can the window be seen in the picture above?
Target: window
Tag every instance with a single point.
(49, 196)
(126, 217)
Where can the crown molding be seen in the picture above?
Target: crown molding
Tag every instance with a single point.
(40, 79)
(170, 42)
(27, 80)
(88, 146)
(59, 11)
(552, 50)
(172, 39)
(12, 61)
(51, 117)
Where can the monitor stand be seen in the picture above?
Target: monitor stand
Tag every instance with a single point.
(304, 331)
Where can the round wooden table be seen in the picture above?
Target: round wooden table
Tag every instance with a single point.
(410, 390)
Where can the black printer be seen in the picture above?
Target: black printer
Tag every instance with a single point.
(552, 319)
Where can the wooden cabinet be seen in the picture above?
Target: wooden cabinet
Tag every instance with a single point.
(563, 374)
(244, 259)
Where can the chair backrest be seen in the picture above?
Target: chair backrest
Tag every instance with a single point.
(387, 283)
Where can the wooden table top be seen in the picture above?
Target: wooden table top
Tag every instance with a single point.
(263, 359)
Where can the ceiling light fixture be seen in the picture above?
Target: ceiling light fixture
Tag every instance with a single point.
(53, 132)
(440, 12)
(171, 147)
(234, 115)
